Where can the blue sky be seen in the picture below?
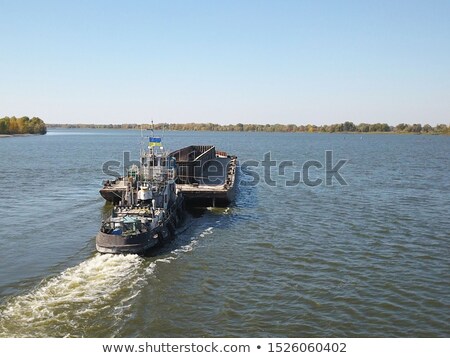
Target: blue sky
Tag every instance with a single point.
(283, 61)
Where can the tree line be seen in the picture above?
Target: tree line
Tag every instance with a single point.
(22, 125)
(346, 127)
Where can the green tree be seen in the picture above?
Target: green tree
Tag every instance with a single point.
(427, 128)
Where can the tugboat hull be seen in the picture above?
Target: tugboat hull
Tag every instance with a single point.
(108, 243)
(135, 244)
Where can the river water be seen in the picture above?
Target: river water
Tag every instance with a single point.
(366, 259)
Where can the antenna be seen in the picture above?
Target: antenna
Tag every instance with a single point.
(162, 137)
(142, 140)
(152, 148)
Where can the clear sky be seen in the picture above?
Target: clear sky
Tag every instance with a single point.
(300, 62)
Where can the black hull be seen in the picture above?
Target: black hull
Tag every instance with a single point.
(143, 242)
(219, 198)
(134, 244)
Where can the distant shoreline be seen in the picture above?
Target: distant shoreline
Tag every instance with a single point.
(16, 135)
(232, 128)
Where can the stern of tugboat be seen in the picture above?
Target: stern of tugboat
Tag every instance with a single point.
(126, 235)
(118, 244)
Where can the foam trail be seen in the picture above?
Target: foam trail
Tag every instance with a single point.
(61, 305)
(175, 254)
(70, 304)
(166, 260)
(208, 231)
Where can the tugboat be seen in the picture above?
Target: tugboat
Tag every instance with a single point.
(150, 207)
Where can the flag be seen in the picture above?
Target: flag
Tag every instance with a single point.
(154, 142)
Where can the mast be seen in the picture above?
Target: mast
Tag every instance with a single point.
(153, 135)
(142, 150)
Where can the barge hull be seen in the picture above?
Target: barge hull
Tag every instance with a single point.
(207, 196)
(206, 177)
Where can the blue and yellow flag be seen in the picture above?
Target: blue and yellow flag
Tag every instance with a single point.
(154, 142)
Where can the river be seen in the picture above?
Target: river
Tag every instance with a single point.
(370, 258)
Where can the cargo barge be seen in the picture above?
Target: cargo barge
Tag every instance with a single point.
(204, 176)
